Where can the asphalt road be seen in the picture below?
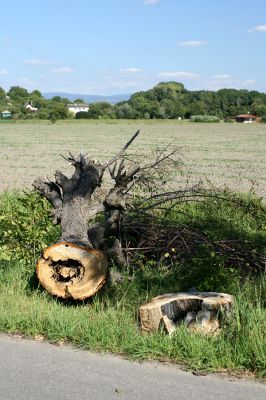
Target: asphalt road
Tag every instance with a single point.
(32, 370)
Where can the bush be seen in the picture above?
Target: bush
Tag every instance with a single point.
(263, 119)
(204, 118)
(82, 115)
(26, 226)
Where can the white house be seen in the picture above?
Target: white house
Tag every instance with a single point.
(75, 108)
(30, 107)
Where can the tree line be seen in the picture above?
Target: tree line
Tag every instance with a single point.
(166, 100)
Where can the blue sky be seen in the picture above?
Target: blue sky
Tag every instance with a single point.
(123, 46)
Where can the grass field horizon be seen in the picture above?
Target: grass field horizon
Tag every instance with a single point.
(224, 154)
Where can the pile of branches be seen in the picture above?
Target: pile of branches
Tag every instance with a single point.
(148, 227)
(164, 242)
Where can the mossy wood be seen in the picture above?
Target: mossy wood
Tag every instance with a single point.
(76, 266)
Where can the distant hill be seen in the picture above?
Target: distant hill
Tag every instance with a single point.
(89, 98)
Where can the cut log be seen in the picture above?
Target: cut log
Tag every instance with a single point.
(70, 271)
(198, 311)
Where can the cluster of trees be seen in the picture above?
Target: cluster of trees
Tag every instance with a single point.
(167, 100)
(170, 100)
(17, 97)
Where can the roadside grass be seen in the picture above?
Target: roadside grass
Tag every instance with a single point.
(109, 322)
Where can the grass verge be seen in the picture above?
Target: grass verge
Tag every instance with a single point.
(109, 322)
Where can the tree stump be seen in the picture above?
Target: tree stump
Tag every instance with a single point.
(199, 311)
(70, 271)
(76, 266)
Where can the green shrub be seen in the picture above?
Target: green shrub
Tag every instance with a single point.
(82, 115)
(204, 118)
(26, 226)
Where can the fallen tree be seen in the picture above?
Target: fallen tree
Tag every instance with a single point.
(117, 225)
(76, 266)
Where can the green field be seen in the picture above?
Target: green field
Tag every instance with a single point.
(231, 154)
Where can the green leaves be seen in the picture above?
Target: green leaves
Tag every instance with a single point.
(26, 227)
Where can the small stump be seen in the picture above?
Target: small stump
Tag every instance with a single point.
(199, 311)
(70, 271)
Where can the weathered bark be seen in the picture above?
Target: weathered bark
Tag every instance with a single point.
(199, 311)
(76, 266)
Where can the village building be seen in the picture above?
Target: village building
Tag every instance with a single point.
(30, 107)
(6, 114)
(246, 118)
(75, 108)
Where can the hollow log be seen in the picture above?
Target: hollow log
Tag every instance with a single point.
(199, 311)
(70, 271)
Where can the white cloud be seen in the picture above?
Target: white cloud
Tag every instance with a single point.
(24, 80)
(130, 70)
(258, 28)
(178, 74)
(3, 71)
(63, 70)
(37, 61)
(192, 43)
(150, 2)
(249, 82)
(120, 84)
(222, 77)
(220, 81)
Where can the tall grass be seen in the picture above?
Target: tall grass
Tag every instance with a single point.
(109, 322)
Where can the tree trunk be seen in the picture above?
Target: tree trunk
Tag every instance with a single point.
(199, 311)
(76, 266)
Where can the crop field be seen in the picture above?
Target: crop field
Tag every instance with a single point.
(224, 154)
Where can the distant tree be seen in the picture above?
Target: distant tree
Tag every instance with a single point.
(65, 100)
(168, 90)
(18, 94)
(2, 94)
(233, 101)
(196, 108)
(36, 94)
(56, 99)
(145, 108)
(57, 111)
(259, 105)
(100, 110)
(259, 109)
(125, 110)
(79, 100)
(59, 99)
(170, 109)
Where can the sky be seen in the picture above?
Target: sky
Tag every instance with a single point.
(122, 46)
